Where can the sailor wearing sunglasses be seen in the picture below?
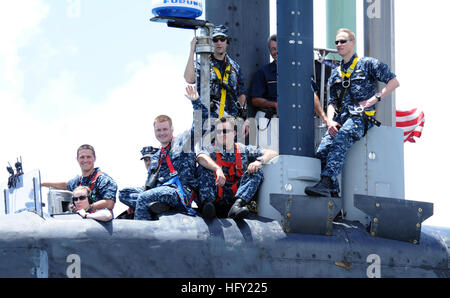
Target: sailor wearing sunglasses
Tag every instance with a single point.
(82, 201)
(351, 109)
(227, 81)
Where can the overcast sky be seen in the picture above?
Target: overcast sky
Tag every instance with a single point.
(99, 72)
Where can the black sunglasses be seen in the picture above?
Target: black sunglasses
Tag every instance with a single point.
(343, 41)
(222, 39)
(81, 198)
(224, 131)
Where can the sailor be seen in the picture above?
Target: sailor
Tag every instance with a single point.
(171, 181)
(103, 187)
(351, 109)
(129, 195)
(241, 166)
(227, 81)
(265, 100)
(147, 153)
(82, 198)
(264, 87)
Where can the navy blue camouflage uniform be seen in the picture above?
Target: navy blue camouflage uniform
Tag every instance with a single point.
(105, 188)
(183, 160)
(333, 151)
(129, 195)
(184, 164)
(235, 83)
(247, 185)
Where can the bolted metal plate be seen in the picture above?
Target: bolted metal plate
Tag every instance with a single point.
(394, 218)
(305, 214)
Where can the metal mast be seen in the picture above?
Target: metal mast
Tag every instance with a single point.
(295, 67)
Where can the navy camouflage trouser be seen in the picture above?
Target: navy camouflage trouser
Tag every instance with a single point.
(167, 194)
(247, 188)
(129, 195)
(333, 151)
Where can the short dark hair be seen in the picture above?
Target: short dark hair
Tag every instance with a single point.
(272, 37)
(228, 118)
(85, 146)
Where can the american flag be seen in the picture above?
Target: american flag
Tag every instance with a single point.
(411, 122)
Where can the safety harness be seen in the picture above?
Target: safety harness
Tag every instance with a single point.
(348, 73)
(224, 85)
(235, 171)
(367, 115)
(175, 179)
(346, 81)
(91, 180)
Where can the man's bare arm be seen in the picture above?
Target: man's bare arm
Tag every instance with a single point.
(57, 185)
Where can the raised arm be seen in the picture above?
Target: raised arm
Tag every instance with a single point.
(189, 72)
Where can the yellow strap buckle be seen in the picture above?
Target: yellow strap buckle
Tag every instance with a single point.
(370, 113)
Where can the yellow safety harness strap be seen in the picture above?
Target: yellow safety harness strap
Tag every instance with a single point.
(370, 113)
(346, 81)
(223, 94)
(346, 75)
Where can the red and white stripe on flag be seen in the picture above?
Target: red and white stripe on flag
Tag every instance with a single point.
(411, 122)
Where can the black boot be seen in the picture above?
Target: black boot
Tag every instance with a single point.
(158, 207)
(239, 210)
(321, 189)
(208, 210)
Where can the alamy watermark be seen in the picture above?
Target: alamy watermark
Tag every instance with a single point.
(74, 268)
(374, 9)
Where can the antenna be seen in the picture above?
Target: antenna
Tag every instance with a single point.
(19, 168)
(13, 178)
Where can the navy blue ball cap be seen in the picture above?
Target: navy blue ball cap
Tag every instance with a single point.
(148, 151)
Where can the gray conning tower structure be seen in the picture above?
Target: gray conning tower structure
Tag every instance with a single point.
(372, 182)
